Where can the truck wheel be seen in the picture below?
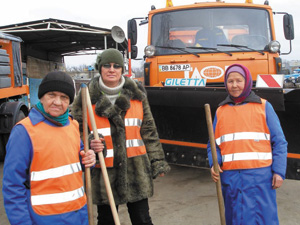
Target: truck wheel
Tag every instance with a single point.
(20, 116)
(2, 149)
(4, 137)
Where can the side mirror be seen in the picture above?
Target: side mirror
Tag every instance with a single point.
(132, 31)
(288, 27)
(134, 51)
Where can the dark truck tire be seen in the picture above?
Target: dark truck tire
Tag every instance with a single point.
(2, 149)
(20, 111)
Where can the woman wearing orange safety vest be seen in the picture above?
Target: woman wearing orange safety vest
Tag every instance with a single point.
(133, 153)
(42, 177)
(251, 150)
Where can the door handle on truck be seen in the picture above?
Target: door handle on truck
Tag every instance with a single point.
(178, 61)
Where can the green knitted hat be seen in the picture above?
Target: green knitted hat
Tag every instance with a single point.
(110, 55)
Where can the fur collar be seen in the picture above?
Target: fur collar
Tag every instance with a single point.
(104, 108)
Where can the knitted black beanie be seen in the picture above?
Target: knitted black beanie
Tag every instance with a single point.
(57, 81)
(110, 55)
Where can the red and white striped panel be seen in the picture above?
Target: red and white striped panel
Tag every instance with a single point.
(270, 80)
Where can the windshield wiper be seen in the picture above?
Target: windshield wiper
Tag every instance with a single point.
(179, 49)
(241, 46)
(206, 48)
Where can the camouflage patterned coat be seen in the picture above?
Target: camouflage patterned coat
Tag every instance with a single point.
(131, 178)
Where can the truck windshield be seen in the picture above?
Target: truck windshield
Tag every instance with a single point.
(210, 28)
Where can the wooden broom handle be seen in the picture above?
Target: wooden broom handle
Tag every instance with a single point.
(86, 148)
(215, 162)
(102, 162)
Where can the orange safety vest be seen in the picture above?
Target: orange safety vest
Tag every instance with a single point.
(134, 142)
(55, 173)
(243, 136)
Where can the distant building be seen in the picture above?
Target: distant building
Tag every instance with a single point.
(291, 65)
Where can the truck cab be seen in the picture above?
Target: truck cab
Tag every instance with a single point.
(207, 38)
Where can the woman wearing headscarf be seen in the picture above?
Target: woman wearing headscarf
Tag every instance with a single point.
(251, 150)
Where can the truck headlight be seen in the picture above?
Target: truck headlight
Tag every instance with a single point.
(149, 50)
(274, 46)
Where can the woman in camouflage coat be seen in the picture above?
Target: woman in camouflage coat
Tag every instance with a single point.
(131, 178)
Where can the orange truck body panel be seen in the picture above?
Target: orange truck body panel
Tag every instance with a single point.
(263, 65)
(12, 90)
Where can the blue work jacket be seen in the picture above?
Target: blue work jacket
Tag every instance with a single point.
(248, 194)
(16, 192)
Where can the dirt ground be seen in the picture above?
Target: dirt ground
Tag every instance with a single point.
(188, 196)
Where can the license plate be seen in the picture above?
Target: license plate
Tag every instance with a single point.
(175, 67)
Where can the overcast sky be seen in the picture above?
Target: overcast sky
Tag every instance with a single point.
(108, 13)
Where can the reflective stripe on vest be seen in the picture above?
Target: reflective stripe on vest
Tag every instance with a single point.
(132, 121)
(242, 136)
(55, 173)
(57, 198)
(244, 143)
(103, 126)
(247, 156)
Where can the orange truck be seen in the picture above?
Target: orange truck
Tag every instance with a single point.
(188, 50)
(12, 89)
